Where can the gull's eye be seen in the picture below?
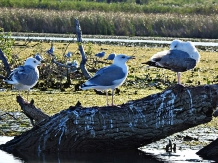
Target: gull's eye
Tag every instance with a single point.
(34, 61)
(123, 56)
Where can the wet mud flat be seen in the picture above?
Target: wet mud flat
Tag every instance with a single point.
(187, 142)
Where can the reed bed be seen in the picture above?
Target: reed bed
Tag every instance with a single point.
(110, 23)
(130, 6)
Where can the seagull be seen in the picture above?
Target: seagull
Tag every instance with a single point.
(109, 77)
(72, 65)
(188, 47)
(111, 56)
(181, 57)
(75, 64)
(38, 57)
(51, 51)
(100, 54)
(68, 55)
(26, 76)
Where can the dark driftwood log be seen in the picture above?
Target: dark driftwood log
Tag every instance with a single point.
(7, 68)
(128, 126)
(84, 58)
(33, 113)
(210, 151)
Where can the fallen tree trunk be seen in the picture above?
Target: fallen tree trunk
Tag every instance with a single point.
(128, 126)
(34, 114)
(210, 151)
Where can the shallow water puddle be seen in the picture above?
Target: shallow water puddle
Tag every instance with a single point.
(187, 155)
(154, 155)
(6, 157)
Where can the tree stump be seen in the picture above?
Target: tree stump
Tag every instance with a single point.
(124, 127)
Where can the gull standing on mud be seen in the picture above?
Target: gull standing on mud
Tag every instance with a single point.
(181, 57)
(68, 55)
(51, 51)
(100, 54)
(109, 77)
(26, 76)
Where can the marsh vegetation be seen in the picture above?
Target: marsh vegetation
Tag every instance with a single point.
(133, 6)
(193, 19)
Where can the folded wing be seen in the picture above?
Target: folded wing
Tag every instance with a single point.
(25, 75)
(175, 60)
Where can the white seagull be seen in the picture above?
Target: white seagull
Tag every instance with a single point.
(181, 57)
(109, 77)
(51, 51)
(68, 55)
(26, 76)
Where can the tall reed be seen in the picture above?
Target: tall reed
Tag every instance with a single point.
(130, 6)
(110, 23)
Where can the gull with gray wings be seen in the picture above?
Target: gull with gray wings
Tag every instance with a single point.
(26, 76)
(109, 77)
(181, 57)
